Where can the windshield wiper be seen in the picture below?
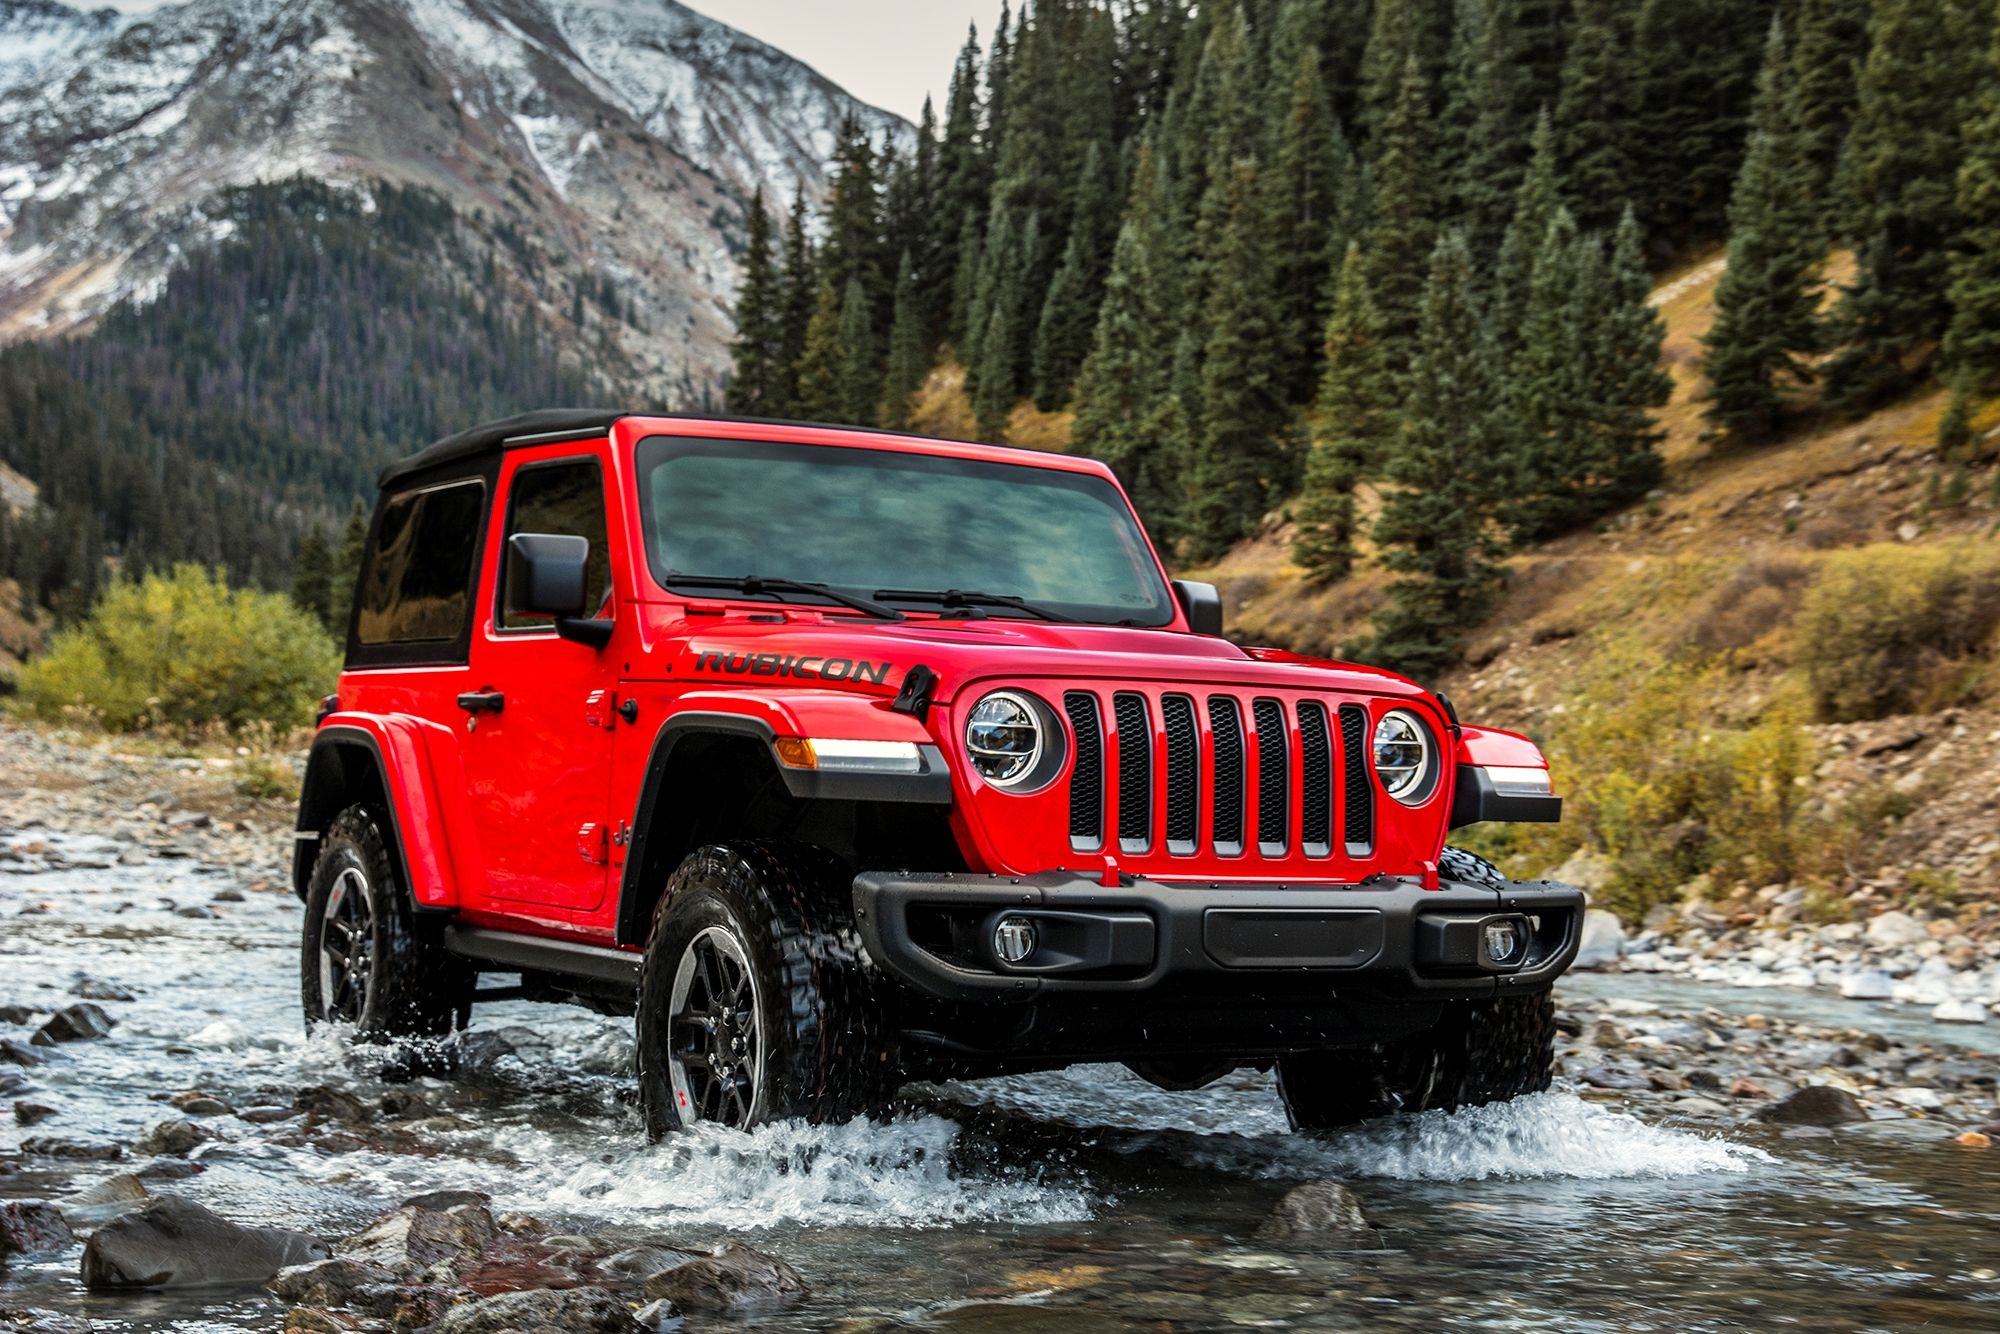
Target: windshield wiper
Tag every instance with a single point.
(960, 599)
(756, 584)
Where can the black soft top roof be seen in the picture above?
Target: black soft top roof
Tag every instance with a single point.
(487, 438)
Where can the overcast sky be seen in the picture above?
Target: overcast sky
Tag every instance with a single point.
(886, 52)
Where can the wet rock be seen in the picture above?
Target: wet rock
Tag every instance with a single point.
(1896, 928)
(1974, 1139)
(643, 1261)
(733, 1278)
(16, 1014)
(1745, 1087)
(86, 1150)
(31, 1227)
(525, 1225)
(573, 1310)
(1917, 1099)
(32, 1113)
(173, 1139)
(479, 1053)
(321, 1103)
(1318, 1211)
(1612, 1077)
(33, 1320)
(432, 1236)
(660, 1316)
(1603, 939)
(1960, 1012)
(103, 1201)
(173, 1243)
(331, 1282)
(195, 911)
(169, 1169)
(317, 1320)
(12, 1081)
(74, 1023)
(226, 896)
(263, 1116)
(196, 1103)
(405, 1105)
(96, 989)
(1815, 1105)
(14, 1053)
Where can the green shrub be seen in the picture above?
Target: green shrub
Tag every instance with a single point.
(1892, 629)
(183, 650)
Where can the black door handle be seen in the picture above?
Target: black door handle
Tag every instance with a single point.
(482, 701)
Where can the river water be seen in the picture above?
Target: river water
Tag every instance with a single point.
(1085, 1200)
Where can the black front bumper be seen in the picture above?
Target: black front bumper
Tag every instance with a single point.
(1386, 938)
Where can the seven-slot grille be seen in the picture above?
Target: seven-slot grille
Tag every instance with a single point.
(1287, 755)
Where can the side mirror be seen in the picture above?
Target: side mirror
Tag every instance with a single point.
(1202, 604)
(548, 574)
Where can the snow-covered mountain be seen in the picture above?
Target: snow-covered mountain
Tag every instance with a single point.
(611, 144)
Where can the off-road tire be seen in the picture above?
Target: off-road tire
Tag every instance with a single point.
(1469, 868)
(416, 992)
(1479, 1052)
(825, 1056)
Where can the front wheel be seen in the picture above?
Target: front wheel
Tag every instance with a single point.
(757, 1002)
(1479, 1052)
(364, 961)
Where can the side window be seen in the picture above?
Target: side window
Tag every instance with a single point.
(565, 498)
(416, 583)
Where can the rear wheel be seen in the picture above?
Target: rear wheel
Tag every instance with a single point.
(365, 961)
(1479, 1052)
(757, 1002)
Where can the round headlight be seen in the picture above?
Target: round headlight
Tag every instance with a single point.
(1403, 756)
(1003, 738)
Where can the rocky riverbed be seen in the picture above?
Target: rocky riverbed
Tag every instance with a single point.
(1710, 1158)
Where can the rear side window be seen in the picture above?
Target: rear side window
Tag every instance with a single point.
(416, 585)
(566, 498)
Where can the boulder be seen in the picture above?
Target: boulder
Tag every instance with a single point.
(17, 1014)
(31, 1227)
(434, 1236)
(732, 1278)
(32, 1113)
(1815, 1105)
(104, 1201)
(1868, 984)
(1958, 1012)
(572, 1310)
(1317, 1211)
(328, 1282)
(1894, 928)
(1603, 939)
(14, 1053)
(86, 1150)
(175, 1243)
(82, 1022)
(173, 1139)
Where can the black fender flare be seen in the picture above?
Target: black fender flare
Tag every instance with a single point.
(931, 785)
(329, 788)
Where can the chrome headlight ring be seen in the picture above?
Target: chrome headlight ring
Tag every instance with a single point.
(1404, 755)
(1013, 741)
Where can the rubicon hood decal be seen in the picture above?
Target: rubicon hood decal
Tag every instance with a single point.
(811, 665)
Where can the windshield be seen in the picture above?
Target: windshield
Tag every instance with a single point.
(869, 521)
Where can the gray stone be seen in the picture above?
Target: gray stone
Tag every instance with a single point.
(573, 1310)
(1815, 1105)
(87, 1150)
(1318, 1211)
(431, 1236)
(1603, 939)
(1897, 928)
(31, 1227)
(732, 1278)
(328, 1282)
(173, 1139)
(175, 1243)
(16, 1014)
(74, 1023)
(14, 1053)
(93, 988)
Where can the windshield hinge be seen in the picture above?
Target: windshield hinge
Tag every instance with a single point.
(915, 696)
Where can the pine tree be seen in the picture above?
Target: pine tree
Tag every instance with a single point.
(1239, 459)
(1308, 163)
(1595, 117)
(818, 376)
(1535, 206)
(1352, 422)
(800, 288)
(971, 249)
(1392, 45)
(909, 358)
(1972, 342)
(755, 384)
(1696, 70)
(1404, 215)
(962, 188)
(996, 280)
(347, 569)
(1899, 175)
(1125, 379)
(854, 234)
(312, 576)
(993, 388)
(1071, 309)
(1831, 42)
(1448, 468)
(1767, 320)
(859, 388)
(1497, 136)
(1549, 388)
(1628, 384)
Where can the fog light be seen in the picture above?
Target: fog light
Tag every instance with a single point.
(1014, 939)
(1504, 940)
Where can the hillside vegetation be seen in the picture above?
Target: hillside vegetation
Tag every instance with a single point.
(1782, 668)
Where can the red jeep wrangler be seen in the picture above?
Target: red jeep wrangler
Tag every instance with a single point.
(845, 758)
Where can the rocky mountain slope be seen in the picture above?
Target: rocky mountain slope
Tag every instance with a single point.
(608, 145)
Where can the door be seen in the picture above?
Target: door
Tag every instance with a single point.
(538, 757)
